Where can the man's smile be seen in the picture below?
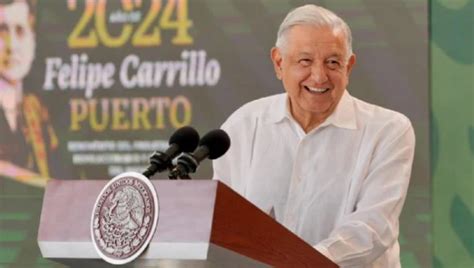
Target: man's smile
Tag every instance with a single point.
(316, 90)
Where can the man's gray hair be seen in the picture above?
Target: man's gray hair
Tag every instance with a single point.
(317, 16)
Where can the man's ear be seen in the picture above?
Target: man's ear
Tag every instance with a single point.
(277, 59)
(350, 63)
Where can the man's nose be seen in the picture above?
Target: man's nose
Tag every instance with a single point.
(15, 40)
(318, 73)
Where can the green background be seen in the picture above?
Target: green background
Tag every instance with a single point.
(452, 132)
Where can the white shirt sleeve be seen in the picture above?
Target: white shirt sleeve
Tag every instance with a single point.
(222, 167)
(363, 235)
(229, 167)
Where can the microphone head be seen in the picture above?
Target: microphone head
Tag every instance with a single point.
(217, 141)
(186, 138)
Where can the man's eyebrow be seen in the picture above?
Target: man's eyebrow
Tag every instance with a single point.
(304, 54)
(336, 55)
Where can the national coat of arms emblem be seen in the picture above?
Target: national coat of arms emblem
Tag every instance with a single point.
(124, 218)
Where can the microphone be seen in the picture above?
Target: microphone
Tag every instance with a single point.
(184, 139)
(213, 145)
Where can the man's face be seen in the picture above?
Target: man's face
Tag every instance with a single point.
(17, 44)
(314, 69)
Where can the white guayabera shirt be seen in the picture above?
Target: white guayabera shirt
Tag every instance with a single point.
(340, 187)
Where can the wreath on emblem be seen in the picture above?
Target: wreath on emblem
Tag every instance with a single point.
(122, 226)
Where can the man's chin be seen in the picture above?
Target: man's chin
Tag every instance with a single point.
(14, 75)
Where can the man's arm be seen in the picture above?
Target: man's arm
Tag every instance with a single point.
(222, 167)
(364, 235)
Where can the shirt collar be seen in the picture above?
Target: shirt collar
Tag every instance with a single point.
(278, 110)
(343, 116)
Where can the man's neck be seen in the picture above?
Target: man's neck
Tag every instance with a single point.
(308, 121)
(10, 97)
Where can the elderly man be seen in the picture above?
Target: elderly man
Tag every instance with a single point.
(332, 168)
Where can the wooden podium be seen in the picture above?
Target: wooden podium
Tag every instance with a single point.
(201, 223)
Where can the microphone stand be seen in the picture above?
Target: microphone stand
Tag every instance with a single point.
(178, 173)
(187, 163)
(181, 176)
(158, 162)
